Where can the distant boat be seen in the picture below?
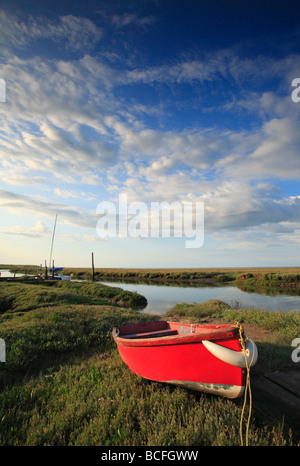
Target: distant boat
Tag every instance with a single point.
(57, 276)
(208, 358)
(56, 269)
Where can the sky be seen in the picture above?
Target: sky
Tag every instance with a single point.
(189, 101)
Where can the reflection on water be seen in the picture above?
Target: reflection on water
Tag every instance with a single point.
(272, 291)
(7, 273)
(162, 298)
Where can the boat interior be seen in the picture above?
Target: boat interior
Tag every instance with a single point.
(165, 329)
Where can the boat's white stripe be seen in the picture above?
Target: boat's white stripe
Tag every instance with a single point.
(227, 391)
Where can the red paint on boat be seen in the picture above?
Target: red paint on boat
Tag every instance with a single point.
(174, 352)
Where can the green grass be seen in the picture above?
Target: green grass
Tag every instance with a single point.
(268, 281)
(100, 402)
(65, 384)
(283, 275)
(20, 297)
(35, 338)
(284, 326)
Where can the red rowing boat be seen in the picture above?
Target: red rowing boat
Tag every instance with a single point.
(208, 358)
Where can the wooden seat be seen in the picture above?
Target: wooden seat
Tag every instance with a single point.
(154, 334)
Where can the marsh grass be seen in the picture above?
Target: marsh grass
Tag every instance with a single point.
(35, 337)
(20, 297)
(65, 384)
(100, 402)
(275, 276)
(269, 282)
(283, 325)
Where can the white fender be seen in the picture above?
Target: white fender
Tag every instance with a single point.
(235, 358)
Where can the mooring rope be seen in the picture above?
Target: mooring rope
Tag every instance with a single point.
(248, 386)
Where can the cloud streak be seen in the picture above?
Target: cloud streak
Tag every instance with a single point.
(34, 205)
(77, 33)
(38, 231)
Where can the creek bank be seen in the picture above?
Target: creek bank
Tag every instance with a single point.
(268, 280)
(237, 278)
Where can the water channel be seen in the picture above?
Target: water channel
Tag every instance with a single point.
(7, 273)
(162, 298)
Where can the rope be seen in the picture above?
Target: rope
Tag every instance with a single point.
(247, 387)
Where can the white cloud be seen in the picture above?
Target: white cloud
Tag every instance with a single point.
(237, 206)
(51, 123)
(78, 33)
(276, 154)
(129, 19)
(197, 148)
(35, 205)
(66, 193)
(39, 230)
(271, 151)
(228, 64)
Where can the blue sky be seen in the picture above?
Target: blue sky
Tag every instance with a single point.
(165, 101)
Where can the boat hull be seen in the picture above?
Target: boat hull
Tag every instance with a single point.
(174, 353)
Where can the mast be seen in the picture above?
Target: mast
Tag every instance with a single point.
(52, 241)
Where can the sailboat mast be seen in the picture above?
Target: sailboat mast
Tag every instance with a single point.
(52, 240)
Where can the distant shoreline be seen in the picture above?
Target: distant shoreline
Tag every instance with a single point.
(248, 277)
(283, 269)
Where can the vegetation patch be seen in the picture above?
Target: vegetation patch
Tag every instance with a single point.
(268, 280)
(20, 297)
(39, 338)
(101, 402)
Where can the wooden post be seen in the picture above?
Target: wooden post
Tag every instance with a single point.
(46, 275)
(93, 266)
(52, 269)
